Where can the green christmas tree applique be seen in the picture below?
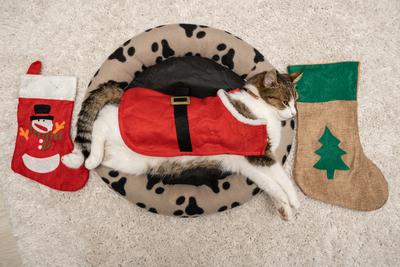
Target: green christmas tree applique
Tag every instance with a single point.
(331, 154)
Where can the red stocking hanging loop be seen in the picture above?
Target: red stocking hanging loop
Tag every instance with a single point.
(35, 68)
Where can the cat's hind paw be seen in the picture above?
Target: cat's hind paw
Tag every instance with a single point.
(284, 211)
(73, 160)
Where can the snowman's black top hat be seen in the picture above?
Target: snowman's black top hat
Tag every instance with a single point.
(41, 112)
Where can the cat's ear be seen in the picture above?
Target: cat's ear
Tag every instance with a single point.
(266, 78)
(256, 79)
(270, 78)
(296, 76)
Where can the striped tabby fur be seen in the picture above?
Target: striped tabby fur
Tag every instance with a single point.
(107, 93)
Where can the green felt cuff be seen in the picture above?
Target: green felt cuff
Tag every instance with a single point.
(326, 82)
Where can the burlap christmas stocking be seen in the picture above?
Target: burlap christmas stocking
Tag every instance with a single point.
(45, 107)
(330, 164)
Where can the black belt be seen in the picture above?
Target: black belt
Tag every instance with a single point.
(180, 101)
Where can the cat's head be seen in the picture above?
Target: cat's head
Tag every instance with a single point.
(277, 91)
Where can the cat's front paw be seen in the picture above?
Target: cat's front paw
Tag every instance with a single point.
(92, 162)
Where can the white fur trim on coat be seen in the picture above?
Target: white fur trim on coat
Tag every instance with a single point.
(222, 94)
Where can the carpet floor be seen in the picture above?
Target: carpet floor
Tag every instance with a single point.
(96, 227)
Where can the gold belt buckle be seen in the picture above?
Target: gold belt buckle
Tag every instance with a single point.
(180, 100)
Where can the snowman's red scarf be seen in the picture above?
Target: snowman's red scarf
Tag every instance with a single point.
(47, 137)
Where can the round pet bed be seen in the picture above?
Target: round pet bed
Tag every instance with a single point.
(196, 192)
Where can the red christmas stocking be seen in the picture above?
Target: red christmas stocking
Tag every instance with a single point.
(44, 118)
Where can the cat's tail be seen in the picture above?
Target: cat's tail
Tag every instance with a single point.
(107, 93)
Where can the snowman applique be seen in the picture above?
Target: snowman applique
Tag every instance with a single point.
(40, 157)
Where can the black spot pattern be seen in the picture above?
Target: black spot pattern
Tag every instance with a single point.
(198, 55)
(127, 42)
(243, 77)
(249, 182)
(226, 185)
(198, 177)
(180, 200)
(178, 212)
(158, 60)
(113, 173)
(159, 190)
(189, 29)
(154, 47)
(141, 205)
(105, 180)
(221, 47)
(152, 180)
(283, 123)
(258, 57)
(166, 49)
(292, 124)
(215, 57)
(118, 55)
(203, 26)
(288, 148)
(153, 210)
(192, 208)
(200, 34)
(119, 186)
(188, 54)
(256, 191)
(235, 204)
(148, 30)
(227, 59)
(253, 68)
(284, 158)
(131, 51)
(222, 208)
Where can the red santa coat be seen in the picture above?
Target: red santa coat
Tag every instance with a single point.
(147, 126)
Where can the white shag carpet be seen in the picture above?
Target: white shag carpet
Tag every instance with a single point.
(95, 227)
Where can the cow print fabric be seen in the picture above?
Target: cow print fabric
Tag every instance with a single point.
(200, 191)
(118, 54)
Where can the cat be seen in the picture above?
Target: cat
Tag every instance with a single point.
(269, 95)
